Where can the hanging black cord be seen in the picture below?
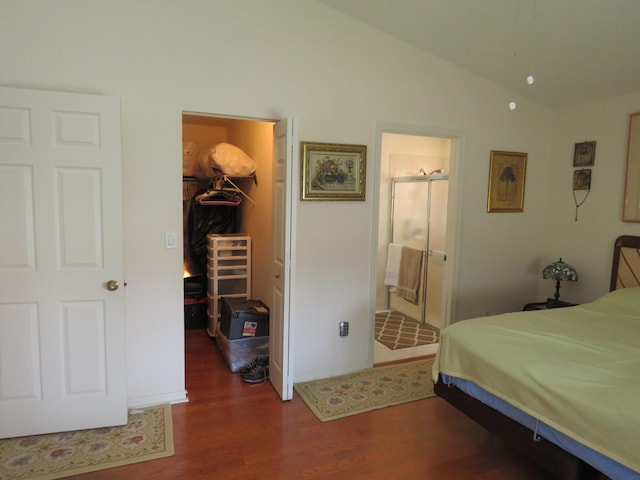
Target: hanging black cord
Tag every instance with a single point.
(579, 204)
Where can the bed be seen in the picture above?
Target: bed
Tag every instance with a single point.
(561, 385)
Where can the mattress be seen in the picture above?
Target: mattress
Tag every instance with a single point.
(574, 370)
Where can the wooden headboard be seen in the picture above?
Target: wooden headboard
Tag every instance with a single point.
(625, 269)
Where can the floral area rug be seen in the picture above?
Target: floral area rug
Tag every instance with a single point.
(395, 330)
(148, 435)
(359, 392)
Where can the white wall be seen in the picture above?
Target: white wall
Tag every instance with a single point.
(588, 243)
(338, 79)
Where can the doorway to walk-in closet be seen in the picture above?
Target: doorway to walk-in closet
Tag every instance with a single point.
(236, 203)
(411, 286)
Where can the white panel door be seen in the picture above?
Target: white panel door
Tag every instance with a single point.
(279, 363)
(62, 331)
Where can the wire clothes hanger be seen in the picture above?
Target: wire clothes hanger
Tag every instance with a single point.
(237, 188)
(218, 194)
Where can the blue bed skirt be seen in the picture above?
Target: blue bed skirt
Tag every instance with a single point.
(611, 468)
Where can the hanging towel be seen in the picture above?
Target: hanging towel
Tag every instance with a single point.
(409, 274)
(394, 252)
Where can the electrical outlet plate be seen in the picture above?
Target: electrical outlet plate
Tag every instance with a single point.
(344, 329)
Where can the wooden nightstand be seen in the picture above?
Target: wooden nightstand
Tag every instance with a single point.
(550, 303)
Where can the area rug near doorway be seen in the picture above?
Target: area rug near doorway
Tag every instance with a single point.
(148, 435)
(395, 330)
(370, 389)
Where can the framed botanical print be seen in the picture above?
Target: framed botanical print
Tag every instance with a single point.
(507, 173)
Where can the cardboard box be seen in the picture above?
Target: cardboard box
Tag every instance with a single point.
(240, 318)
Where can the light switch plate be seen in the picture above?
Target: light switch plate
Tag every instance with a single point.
(170, 240)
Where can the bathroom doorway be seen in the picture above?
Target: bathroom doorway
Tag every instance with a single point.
(413, 224)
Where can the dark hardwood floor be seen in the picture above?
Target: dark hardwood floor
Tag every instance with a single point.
(233, 430)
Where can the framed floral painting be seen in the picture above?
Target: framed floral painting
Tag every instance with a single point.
(333, 171)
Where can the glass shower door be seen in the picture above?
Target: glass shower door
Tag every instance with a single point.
(419, 216)
(436, 256)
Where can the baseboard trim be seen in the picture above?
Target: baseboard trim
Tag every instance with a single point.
(149, 400)
(403, 360)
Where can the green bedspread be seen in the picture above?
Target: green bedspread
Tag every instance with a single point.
(576, 369)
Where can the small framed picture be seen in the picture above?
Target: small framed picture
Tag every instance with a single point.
(582, 179)
(584, 154)
(333, 171)
(507, 173)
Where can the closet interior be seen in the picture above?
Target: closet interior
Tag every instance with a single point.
(227, 224)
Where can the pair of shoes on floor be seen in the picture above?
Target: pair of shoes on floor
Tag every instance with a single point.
(260, 361)
(257, 371)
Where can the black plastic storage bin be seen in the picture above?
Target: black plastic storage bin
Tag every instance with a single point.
(195, 313)
(195, 302)
(242, 318)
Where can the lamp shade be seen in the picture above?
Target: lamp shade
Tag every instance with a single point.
(560, 271)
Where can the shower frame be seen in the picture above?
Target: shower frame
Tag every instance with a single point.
(430, 178)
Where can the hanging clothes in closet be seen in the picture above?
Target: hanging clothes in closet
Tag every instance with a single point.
(206, 218)
(213, 210)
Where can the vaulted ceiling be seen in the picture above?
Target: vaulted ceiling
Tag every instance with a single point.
(577, 50)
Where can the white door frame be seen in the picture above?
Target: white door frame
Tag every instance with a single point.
(292, 174)
(457, 138)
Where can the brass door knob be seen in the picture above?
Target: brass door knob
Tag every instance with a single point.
(112, 285)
